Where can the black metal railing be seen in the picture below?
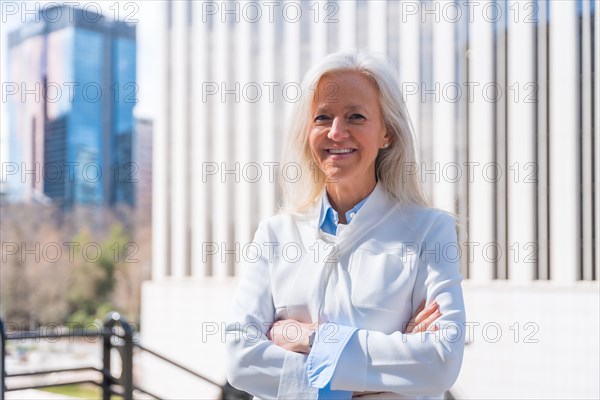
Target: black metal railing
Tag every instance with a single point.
(117, 334)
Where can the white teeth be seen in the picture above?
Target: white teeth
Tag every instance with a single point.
(340, 151)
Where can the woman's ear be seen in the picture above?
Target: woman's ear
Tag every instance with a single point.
(387, 140)
(387, 135)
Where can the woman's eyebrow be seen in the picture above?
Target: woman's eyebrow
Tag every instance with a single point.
(349, 108)
(321, 109)
(356, 107)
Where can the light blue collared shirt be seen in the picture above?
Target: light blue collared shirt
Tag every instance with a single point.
(329, 219)
(323, 358)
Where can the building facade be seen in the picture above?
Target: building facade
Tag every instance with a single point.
(503, 96)
(71, 111)
(142, 156)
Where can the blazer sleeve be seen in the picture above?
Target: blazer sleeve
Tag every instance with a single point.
(424, 364)
(254, 363)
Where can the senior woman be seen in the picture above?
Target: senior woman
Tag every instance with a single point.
(353, 289)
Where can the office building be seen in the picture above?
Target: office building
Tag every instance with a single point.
(142, 168)
(72, 80)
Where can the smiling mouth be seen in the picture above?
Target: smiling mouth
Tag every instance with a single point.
(340, 151)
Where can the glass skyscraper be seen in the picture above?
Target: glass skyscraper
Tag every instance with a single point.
(71, 111)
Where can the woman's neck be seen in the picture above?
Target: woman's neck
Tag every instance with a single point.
(344, 197)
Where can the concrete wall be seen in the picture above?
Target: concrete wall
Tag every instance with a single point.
(183, 320)
(525, 342)
(531, 342)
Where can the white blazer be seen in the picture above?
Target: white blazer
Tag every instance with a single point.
(373, 275)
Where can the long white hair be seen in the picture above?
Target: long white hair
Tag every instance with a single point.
(395, 167)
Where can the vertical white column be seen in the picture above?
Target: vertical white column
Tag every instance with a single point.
(318, 30)
(198, 142)
(462, 141)
(410, 76)
(243, 136)
(498, 173)
(565, 252)
(542, 143)
(267, 78)
(597, 142)
(586, 142)
(179, 131)
(347, 25)
(221, 212)
(444, 112)
(290, 77)
(291, 57)
(160, 167)
(481, 145)
(522, 171)
(377, 25)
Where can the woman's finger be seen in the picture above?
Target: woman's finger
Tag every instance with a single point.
(424, 325)
(425, 313)
(419, 315)
(420, 308)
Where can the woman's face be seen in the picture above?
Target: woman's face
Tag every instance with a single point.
(347, 129)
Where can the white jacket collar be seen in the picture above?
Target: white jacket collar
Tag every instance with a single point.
(375, 210)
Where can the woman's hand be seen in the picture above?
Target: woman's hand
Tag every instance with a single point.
(424, 319)
(291, 334)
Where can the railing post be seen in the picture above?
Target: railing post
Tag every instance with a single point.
(2, 364)
(228, 392)
(106, 346)
(127, 354)
(126, 378)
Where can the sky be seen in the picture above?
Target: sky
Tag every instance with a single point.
(147, 13)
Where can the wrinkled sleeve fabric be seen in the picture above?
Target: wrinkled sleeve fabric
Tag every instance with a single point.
(255, 364)
(330, 341)
(424, 364)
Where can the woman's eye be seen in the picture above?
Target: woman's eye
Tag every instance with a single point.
(357, 116)
(321, 118)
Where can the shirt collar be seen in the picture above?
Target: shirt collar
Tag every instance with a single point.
(378, 207)
(329, 219)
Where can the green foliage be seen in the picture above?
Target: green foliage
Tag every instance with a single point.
(79, 391)
(93, 276)
(83, 317)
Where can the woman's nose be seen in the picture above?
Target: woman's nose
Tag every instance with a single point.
(338, 130)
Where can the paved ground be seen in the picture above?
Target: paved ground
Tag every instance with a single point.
(35, 395)
(36, 355)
